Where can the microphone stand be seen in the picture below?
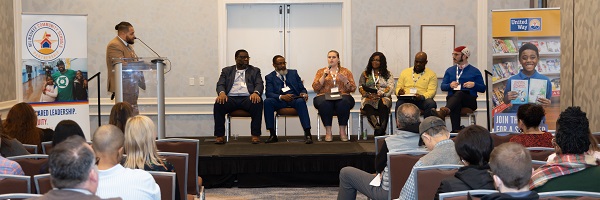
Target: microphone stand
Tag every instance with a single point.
(154, 61)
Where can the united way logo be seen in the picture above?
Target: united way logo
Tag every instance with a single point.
(45, 40)
(525, 24)
(62, 81)
(535, 24)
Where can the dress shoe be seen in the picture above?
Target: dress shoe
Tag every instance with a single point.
(443, 112)
(308, 139)
(255, 140)
(272, 139)
(220, 140)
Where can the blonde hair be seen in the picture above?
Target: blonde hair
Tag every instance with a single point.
(140, 144)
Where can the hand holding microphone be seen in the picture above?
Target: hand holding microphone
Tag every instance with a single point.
(326, 71)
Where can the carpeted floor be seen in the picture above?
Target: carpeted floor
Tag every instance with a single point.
(274, 193)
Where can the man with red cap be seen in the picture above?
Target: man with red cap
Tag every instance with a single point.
(462, 81)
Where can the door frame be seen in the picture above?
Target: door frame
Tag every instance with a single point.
(222, 25)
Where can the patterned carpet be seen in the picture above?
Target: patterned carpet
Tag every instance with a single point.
(274, 193)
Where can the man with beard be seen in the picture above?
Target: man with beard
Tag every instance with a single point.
(418, 85)
(122, 47)
(462, 81)
(239, 87)
(285, 90)
(63, 79)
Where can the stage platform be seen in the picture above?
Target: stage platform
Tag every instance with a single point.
(282, 164)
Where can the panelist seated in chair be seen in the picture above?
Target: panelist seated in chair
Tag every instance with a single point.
(376, 88)
(418, 85)
(239, 87)
(284, 89)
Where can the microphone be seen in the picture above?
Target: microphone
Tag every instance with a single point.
(329, 68)
(154, 60)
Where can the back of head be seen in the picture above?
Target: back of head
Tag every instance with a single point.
(108, 139)
(119, 114)
(572, 131)
(511, 162)
(474, 145)
(65, 129)
(531, 114)
(140, 145)
(21, 123)
(408, 114)
(70, 163)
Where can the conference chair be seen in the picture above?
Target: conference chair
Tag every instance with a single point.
(502, 137)
(569, 193)
(43, 183)
(540, 153)
(18, 196)
(537, 163)
(166, 182)
(335, 115)
(400, 165)
(428, 179)
(14, 184)
(463, 195)
(284, 112)
(32, 148)
(361, 124)
(191, 147)
(46, 147)
(379, 143)
(31, 164)
(235, 113)
(180, 163)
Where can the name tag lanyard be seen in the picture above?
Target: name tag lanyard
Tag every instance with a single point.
(282, 77)
(457, 74)
(375, 81)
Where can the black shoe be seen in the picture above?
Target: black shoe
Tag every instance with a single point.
(272, 139)
(308, 139)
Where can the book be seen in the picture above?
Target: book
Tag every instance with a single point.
(553, 46)
(497, 46)
(543, 48)
(510, 45)
(537, 89)
(522, 89)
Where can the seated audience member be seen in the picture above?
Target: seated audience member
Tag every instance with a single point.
(65, 129)
(376, 87)
(119, 114)
(473, 145)
(8, 166)
(21, 124)
(285, 90)
(72, 170)
(572, 168)
(115, 180)
(510, 164)
(407, 138)
(594, 150)
(140, 147)
(529, 117)
(436, 137)
(10, 146)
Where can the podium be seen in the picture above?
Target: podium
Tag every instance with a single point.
(142, 77)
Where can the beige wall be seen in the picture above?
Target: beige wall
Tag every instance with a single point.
(580, 45)
(7, 50)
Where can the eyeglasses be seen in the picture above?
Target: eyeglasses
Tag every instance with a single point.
(376, 61)
(281, 63)
(244, 57)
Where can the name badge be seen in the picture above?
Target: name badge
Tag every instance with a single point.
(285, 89)
(457, 87)
(413, 90)
(335, 90)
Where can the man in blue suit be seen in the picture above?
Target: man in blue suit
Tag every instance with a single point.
(285, 90)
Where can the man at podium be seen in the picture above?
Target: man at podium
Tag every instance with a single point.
(122, 47)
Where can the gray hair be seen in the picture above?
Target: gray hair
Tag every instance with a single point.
(408, 114)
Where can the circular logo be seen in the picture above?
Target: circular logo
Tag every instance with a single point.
(535, 24)
(45, 40)
(62, 81)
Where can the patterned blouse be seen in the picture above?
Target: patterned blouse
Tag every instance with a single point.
(534, 140)
(385, 89)
(344, 88)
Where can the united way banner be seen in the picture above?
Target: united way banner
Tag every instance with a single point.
(54, 68)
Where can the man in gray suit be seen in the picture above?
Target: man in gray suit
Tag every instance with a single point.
(73, 171)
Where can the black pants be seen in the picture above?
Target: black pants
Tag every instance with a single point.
(457, 101)
(328, 107)
(426, 105)
(235, 103)
(383, 112)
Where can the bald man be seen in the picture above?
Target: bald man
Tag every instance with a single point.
(418, 85)
(115, 180)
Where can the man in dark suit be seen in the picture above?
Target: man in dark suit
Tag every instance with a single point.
(239, 87)
(285, 89)
(122, 47)
(73, 171)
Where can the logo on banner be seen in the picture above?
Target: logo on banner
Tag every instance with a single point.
(525, 24)
(62, 81)
(45, 40)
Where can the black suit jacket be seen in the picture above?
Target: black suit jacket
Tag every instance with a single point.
(254, 80)
(274, 84)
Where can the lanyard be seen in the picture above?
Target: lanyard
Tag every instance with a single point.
(457, 74)
(334, 76)
(282, 77)
(375, 81)
(415, 81)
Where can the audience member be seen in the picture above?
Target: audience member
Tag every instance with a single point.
(72, 170)
(376, 87)
(8, 166)
(21, 124)
(333, 85)
(65, 129)
(422, 88)
(115, 180)
(594, 150)
(473, 145)
(10, 146)
(407, 138)
(529, 117)
(572, 168)
(119, 114)
(436, 137)
(510, 164)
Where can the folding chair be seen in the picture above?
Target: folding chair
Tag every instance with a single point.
(191, 147)
(180, 162)
(46, 147)
(400, 165)
(540, 153)
(235, 113)
(32, 148)
(462, 195)
(166, 182)
(361, 124)
(537, 163)
(428, 179)
(502, 137)
(14, 184)
(379, 143)
(319, 124)
(568, 193)
(43, 183)
(31, 164)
